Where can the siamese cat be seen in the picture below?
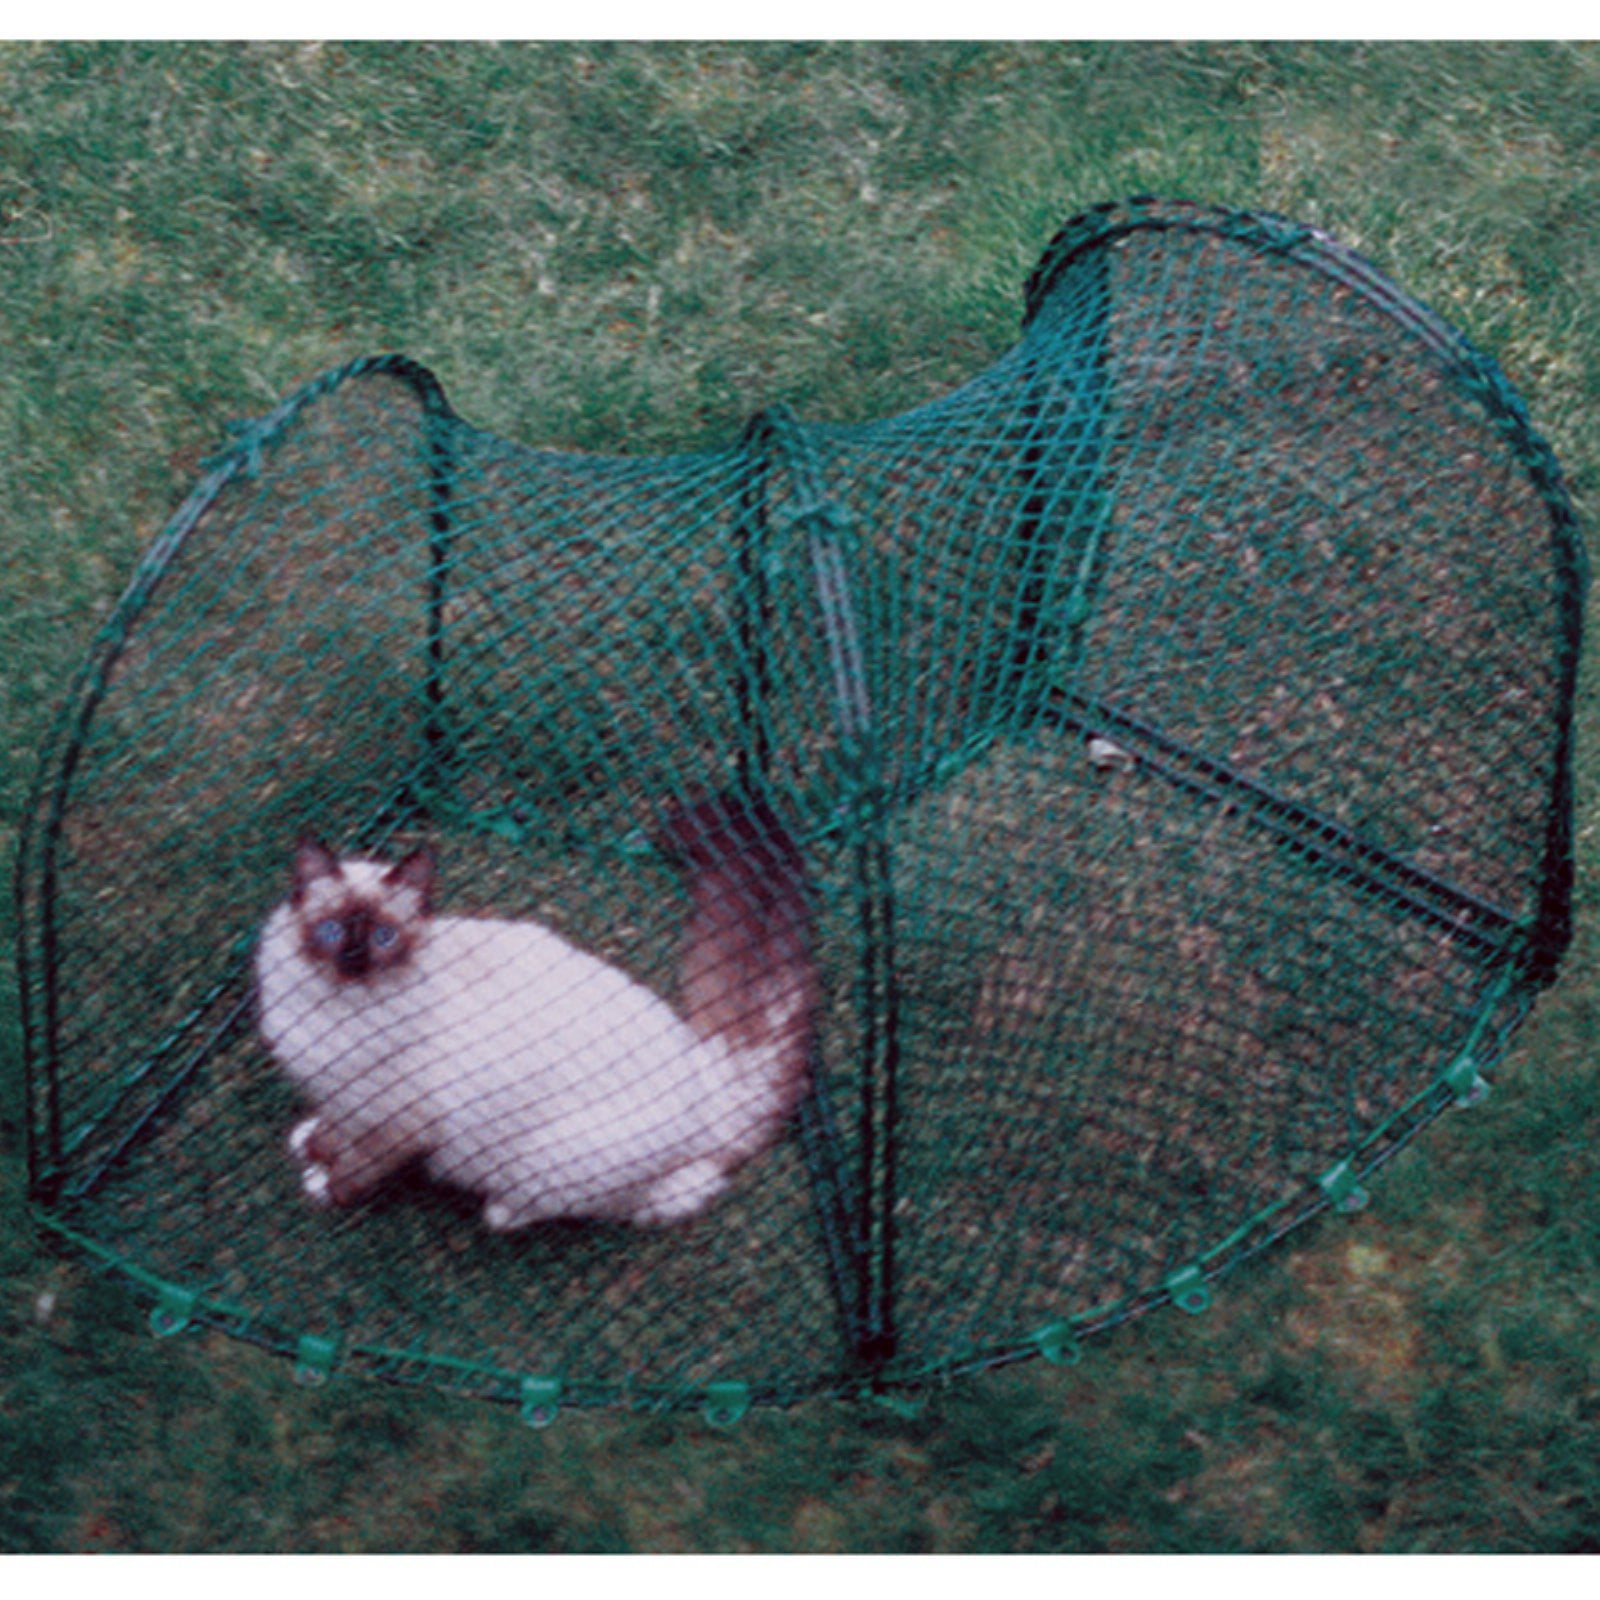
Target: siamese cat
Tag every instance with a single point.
(523, 1069)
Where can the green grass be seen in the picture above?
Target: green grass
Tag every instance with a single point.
(621, 247)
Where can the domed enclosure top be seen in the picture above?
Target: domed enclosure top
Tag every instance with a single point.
(1174, 721)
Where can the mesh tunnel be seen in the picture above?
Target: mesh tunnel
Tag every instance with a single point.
(1174, 721)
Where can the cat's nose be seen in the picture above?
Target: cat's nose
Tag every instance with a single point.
(355, 957)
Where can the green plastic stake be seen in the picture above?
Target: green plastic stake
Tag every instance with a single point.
(541, 1400)
(1189, 1290)
(314, 1359)
(1464, 1080)
(504, 826)
(726, 1402)
(173, 1310)
(1342, 1188)
(1058, 1344)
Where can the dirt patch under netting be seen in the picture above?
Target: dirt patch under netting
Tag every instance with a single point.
(1136, 1028)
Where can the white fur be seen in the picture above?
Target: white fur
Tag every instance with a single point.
(527, 1071)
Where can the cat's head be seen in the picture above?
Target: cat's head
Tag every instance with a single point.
(360, 919)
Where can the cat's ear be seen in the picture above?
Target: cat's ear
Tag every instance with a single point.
(312, 860)
(416, 872)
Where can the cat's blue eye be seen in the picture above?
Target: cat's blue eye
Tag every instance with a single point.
(329, 933)
(384, 936)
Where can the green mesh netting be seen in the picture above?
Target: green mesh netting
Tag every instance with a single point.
(1175, 720)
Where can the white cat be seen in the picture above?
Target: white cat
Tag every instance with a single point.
(524, 1069)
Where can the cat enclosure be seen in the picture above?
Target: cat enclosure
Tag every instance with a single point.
(1175, 720)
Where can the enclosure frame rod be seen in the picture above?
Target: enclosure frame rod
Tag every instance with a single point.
(836, 1202)
(1298, 825)
(753, 668)
(439, 420)
(49, 801)
(215, 1036)
(880, 1019)
(823, 523)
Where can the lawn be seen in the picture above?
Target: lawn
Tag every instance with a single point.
(627, 248)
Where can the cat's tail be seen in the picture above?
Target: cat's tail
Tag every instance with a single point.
(747, 975)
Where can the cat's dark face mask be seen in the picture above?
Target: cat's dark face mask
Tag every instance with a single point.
(357, 942)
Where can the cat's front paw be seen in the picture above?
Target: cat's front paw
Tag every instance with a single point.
(314, 1176)
(300, 1137)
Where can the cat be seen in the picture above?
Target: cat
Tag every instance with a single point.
(523, 1069)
